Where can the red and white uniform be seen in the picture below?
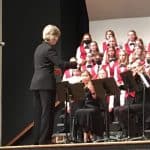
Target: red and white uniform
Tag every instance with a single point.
(89, 69)
(117, 70)
(123, 93)
(148, 49)
(129, 47)
(104, 46)
(67, 74)
(82, 52)
(110, 68)
(96, 69)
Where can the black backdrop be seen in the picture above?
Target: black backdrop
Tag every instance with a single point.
(23, 22)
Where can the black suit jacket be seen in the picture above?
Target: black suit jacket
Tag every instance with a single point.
(45, 58)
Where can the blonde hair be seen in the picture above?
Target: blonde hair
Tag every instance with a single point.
(50, 30)
(126, 61)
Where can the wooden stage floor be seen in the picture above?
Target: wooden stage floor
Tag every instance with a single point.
(123, 145)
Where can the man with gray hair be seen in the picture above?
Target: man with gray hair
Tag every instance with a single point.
(43, 84)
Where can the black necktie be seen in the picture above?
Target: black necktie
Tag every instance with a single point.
(98, 68)
(89, 66)
(86, 47)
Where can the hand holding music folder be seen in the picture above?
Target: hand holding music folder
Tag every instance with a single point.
(106, 86)
(99, 89)
(77, 91)
(129, 81)
(64, 89)
(110, 86)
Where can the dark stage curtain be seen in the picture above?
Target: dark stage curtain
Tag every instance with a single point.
(23, 22)
(74, 23)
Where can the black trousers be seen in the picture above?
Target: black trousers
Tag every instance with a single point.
(134, 118)
(44, 103)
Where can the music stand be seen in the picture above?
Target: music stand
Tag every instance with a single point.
(145, 84)
(110, 86)
(129, 85)
(129, 81)
(99, 89)
(105, 87)
(62, 91)
(77, 91)
(77, 94)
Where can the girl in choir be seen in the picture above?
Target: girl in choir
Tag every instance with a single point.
(139, 43)
(98, 65)
(148, 47)
(83, 49)
(138, 54)
(120, 68)
(69, 72)
(89, 118)
(105, 43)
(131, 42)
(110, 60)
(94, 49)
(88, 65)
(147, 64)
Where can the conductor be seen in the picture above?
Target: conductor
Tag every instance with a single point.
(43, 84)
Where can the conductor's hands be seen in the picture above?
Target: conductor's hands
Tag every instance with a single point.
(73, 65)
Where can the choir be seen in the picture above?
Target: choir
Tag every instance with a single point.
(109, 61)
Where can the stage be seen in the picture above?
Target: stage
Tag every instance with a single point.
(128, 145)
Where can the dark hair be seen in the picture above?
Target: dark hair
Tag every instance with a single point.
(84, 35)
(133, 31)
(96, 45)
(111, 31)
